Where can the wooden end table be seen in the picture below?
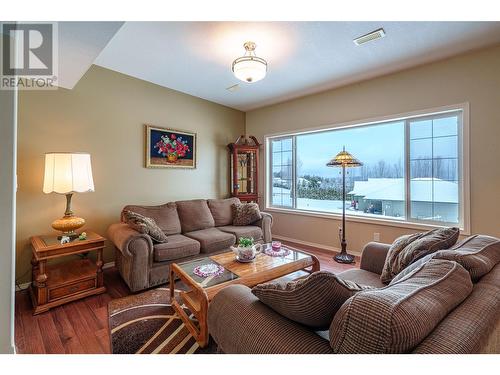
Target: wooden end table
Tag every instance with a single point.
(201, 290)
(55, 284)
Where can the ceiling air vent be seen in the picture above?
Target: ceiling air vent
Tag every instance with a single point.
(233, 88)
(374, 35)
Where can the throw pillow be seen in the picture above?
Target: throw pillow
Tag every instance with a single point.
(407, 249)
(312, 301)
(412, 268)
(245, 213)
(144, 225)
(477, 254)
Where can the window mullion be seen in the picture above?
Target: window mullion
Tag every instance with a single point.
(460, 172)
(407, 172)
(294, 172)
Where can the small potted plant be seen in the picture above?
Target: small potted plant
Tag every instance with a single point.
(246, 251)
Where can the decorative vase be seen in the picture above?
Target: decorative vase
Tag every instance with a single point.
(171, 158)
(246, 253)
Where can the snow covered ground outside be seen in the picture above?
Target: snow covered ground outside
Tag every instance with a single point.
(281, 197)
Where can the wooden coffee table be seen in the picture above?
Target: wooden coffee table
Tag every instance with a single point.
(201, 290)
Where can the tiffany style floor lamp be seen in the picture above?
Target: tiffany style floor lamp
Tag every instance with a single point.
(344, 160)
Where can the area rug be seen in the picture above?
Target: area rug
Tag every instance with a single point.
(146, 323)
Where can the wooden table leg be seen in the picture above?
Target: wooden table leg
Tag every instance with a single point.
(316, 265)
(99, 264)
(203, 321)
(172, 284)
(199, 333)
(34, 269)
(39, 292)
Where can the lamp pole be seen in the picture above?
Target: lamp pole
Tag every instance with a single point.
(343, 257)
(344, 159)
(343, 243)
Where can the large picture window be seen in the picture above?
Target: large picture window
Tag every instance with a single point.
(412, 170)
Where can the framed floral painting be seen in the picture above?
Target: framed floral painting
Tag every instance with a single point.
(169, 148)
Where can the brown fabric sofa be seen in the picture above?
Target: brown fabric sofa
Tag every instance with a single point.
(422, 310)
(195, 228)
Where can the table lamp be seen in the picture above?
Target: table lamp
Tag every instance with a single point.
(344, 160)
(68, 173)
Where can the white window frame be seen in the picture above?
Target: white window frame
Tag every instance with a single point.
(463, 169)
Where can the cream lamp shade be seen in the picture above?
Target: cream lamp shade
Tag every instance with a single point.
(67, 173)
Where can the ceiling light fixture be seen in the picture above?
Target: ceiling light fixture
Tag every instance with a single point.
(249, 68)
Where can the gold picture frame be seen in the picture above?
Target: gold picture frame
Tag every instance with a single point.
(169, 148)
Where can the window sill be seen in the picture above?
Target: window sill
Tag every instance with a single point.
(365, 220)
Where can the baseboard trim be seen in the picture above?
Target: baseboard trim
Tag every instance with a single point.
(329, 249)
(25, 286)
(108, 265)
(8, 349)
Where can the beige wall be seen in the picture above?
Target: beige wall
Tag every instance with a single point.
(104, 115)
(473, 78)
(8, 103)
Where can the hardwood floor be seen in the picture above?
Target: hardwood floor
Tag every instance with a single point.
(82, 326)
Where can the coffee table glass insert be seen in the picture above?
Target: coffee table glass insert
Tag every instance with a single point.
(206, 282)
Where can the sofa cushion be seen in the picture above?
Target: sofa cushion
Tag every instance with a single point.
(164, 215)
(473, 326)
(194, 215)
(407, 249)
(395, 319)
(240, 324)
(246, 213)
(362, 277)
(477, 254)
(222, 211)
(212, 239)
(177, 247)
(145, 225)
(251, 231)
(312, 301)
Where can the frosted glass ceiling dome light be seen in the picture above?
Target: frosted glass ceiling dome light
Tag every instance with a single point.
(249, 68)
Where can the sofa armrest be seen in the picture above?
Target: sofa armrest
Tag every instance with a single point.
(129, 241)
(373, 257)
(239, 323)
(136, 254)
(265, 224)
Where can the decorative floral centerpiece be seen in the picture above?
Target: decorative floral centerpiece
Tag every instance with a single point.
(206, 270)
(172, 147)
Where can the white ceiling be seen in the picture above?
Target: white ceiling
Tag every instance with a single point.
(79, 44)
(303, 57)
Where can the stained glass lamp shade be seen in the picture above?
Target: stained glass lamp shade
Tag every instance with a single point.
(344, 159)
